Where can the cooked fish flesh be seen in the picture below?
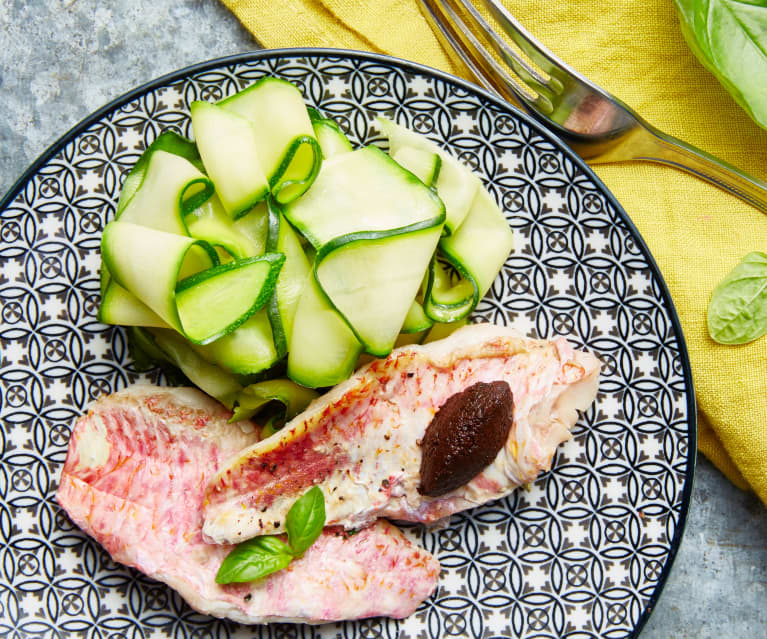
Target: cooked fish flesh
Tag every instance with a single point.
(360, 443)
(134, 479)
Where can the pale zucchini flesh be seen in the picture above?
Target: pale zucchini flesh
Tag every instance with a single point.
(359, 273)
(230, 152)
(416, 319)
(405, 339)
(241, 238)
(424, 164)
(362, 191)
(482, 243)
(169, 185)
(375, 226)
(288, 152)
(477, 250)
(442, 330)
(210, 378)
(247, 350)
(218, 300)
(121, 308)
(149, 263)
(168, 141)
(254, 228)
(323, 349)
(200, 257)
(291, 281)
(447, 299)
(447, 289)
(456, 184)
(300, 168)
(331, 138)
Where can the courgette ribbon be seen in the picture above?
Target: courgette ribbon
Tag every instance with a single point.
(169, 191)
(268, 274)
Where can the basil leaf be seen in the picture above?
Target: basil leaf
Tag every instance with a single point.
(305, 520)
(730, 38)
(261, 556)
(737, 312)
(253, 559)
(272, 544)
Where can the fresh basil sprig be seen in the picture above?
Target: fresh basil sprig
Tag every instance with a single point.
(305, 520)
(261, 556)
(737, 312)
(253, 559)
(730, 38)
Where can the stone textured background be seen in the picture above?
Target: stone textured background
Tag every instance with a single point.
(62, 59)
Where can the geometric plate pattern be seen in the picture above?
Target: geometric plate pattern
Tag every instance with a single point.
(581, 553)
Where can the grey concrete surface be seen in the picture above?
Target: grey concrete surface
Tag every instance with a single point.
(62, 59)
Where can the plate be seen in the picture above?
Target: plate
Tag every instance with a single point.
(583, 552)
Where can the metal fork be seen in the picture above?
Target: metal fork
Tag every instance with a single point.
(597, 125)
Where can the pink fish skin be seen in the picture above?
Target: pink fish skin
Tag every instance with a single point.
(134, 479)
(360, 442)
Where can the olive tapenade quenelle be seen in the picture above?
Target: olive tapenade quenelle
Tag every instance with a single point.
(465, 436)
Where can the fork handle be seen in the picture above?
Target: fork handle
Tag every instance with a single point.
(666, 149)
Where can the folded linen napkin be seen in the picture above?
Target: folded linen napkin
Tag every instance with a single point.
(695, 232)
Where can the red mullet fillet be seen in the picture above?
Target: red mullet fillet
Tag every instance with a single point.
(134, 479)
(360, 443)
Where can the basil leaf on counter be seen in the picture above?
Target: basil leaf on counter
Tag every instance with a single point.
(253, 559)
(305, 520)
(737, 312)
(730, 38)
(261, 556)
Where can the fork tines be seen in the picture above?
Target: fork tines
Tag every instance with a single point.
(470, 35)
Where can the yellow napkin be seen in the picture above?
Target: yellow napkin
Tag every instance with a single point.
(695, 232)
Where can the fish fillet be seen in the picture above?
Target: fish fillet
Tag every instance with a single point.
(360, 442)
(134, 479)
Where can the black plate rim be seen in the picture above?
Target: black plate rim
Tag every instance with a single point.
(291, 52)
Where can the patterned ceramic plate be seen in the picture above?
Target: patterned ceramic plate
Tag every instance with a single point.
(583, 553)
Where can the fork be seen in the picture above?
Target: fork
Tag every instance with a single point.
(596, 125)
